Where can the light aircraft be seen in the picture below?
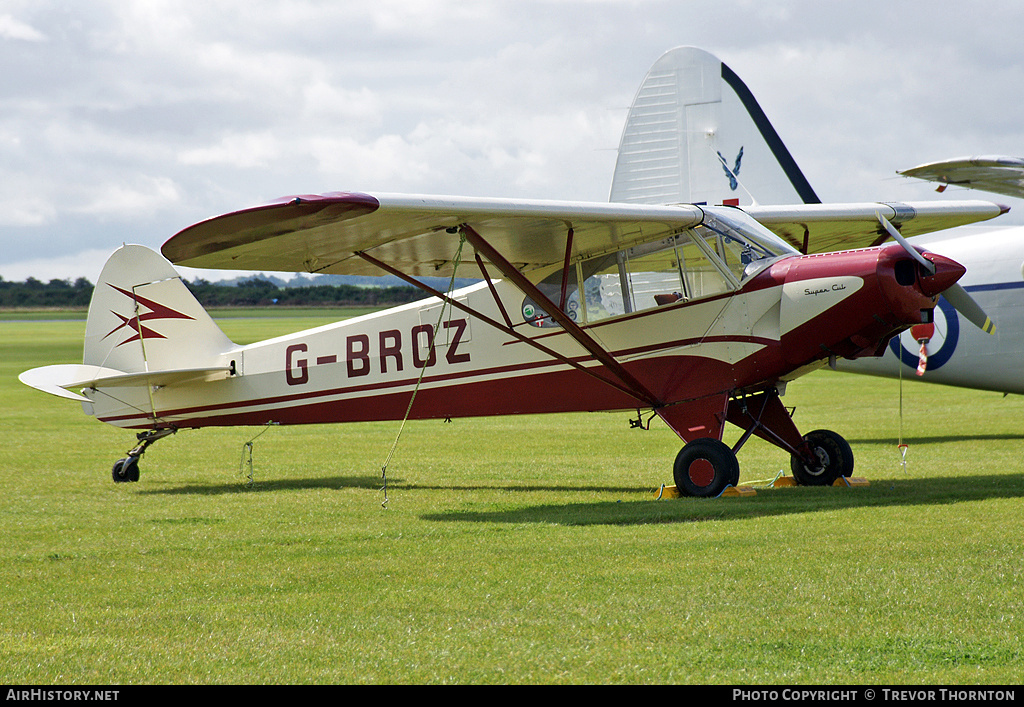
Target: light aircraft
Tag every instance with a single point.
(697, 314)
(697, 134)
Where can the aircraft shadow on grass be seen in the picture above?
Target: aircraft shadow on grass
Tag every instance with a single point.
(900, 491)
(239, 485)
(905, 491)
(365, 482)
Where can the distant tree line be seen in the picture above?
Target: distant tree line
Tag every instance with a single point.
(53, 294)
(261, 293)
(66, 294)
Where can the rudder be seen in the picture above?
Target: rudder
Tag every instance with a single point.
(142, 317)
(696, 135)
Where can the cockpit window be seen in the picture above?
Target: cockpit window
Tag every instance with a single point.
(662, 273)
(742, 244)
(715, 257)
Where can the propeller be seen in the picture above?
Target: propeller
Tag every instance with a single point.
(956, 295)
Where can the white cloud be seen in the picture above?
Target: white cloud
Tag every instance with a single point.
(58, 266)
(11, 28)
(21, 209)
(137, 199)
(246, 150)
(323, 102)
(384, 159)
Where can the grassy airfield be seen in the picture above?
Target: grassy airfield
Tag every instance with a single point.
(510, 550)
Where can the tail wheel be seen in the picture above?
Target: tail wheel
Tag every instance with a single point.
(126, 470)
(118, 471)
(705, 467)
(834, 459)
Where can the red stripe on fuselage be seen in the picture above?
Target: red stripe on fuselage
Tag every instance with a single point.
(552, 391)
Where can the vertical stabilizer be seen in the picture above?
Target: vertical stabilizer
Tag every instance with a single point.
(143, 318)
(695, 134)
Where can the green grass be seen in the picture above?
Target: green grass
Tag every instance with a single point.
(510, 550)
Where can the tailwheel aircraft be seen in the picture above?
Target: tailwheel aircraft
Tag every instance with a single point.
(696, 313)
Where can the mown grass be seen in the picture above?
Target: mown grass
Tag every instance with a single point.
(510, 550)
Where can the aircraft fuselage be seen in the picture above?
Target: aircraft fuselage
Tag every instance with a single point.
(785, 320)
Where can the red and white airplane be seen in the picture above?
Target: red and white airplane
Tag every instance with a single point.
(698, 314)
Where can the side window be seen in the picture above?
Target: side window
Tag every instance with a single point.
(551, 286)
(604, 294)
(735, 254)
(642, 277)
(655, 278)
(703, 276)
(682, 271)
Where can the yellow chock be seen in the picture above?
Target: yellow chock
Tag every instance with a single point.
(738, 491)
(673, 492)
(850, 481)
(667, 492)
(784, 481)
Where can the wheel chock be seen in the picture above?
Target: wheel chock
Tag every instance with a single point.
(738, 491)
(784, 481)
(850, 481)
(673, 492)
(667, 492)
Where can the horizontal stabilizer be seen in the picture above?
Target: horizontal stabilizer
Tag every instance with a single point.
(61, 380)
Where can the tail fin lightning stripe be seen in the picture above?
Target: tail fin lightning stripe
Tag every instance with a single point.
(156, 311)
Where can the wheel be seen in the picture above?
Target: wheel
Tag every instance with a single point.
(118, 471)
(834, 456)
(131, 468)
(704, 467)
(126, 470)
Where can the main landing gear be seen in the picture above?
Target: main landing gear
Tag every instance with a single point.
(706, 466)
(834, 459)
(127, 469)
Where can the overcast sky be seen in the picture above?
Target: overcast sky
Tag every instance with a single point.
(128, 120)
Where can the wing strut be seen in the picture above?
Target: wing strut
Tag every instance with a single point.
(636, 388)
(494, 293)
(565, 270)
(496, 324)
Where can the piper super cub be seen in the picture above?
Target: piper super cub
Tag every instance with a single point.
(697, 313)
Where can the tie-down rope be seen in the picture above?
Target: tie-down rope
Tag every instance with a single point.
(440, 318)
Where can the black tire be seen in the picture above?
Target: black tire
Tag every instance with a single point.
(118, 472)
(126, 470)
(833, 453)
(705, 467)
(131, 468)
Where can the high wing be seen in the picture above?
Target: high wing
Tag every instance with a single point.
(419, 235)
(822, 228)
(993, 173)
(415, 234)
